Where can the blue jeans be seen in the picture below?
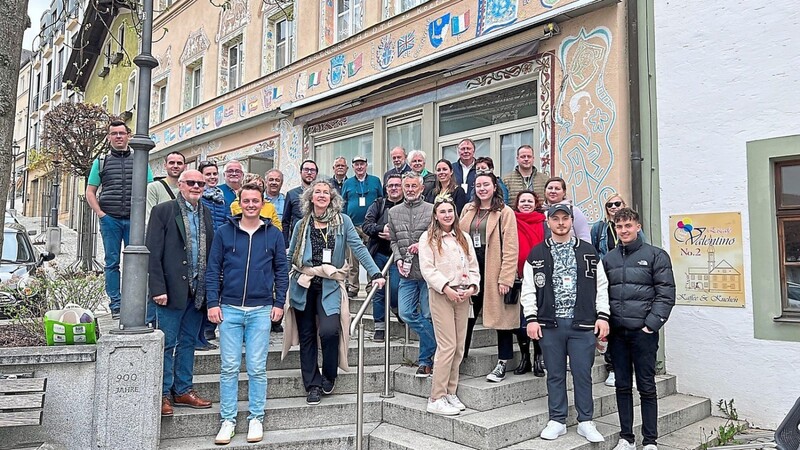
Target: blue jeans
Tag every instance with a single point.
(115, 232)
(378, 302)
(180, 328)
(416, 312)
(251, 327)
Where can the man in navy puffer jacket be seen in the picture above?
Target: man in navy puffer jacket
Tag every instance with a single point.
(246, 283)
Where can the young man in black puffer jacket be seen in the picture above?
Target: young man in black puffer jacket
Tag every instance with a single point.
(641, 294)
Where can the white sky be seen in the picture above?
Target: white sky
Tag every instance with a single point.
(35, 10)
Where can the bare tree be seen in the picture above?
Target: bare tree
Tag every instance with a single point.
(13, 22)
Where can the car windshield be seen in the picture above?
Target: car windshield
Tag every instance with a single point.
(14, 248)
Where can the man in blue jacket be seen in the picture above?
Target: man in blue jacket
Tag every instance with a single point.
(246, 283)
(464, 167)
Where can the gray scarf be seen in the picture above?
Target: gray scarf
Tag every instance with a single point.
(331, 217)
(200, 292)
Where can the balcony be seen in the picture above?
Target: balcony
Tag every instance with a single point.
(59, 34)
(37, 61)
(47, 45)
(104, 72)
(73, 19)
(35, 104)
(58, 87)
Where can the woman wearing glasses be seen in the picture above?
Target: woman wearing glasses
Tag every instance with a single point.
(492, 229)
(318, 302)
(267, 211)
(446, 185)
(448, 264)
(555, 191)
(213, 198)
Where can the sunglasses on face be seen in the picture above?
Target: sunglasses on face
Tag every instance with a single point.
(193, 183)
(613, 204)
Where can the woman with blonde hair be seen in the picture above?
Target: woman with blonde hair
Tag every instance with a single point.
(318, 304)
(450, 267)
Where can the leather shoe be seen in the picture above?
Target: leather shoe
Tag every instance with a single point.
(538, 365)
(166, 406)
(192, 400)
(524, 364)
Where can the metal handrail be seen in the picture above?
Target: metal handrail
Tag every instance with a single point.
(357, 324)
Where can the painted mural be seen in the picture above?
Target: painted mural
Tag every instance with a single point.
(585, 117)
(434, 26)
(291, 151)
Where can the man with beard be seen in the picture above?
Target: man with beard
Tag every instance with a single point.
(292, 212)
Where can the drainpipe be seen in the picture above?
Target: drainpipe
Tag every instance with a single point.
(635, 107)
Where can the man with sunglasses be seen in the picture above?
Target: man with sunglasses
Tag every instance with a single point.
(179, 237)
(112, 175)
(292, 211)
(233, 181)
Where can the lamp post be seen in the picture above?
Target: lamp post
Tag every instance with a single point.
(135, 255)
(54, 196)
(14, 154)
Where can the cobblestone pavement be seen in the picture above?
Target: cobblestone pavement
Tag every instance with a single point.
(69, 242)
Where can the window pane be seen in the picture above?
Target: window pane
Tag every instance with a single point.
(280, 56)
(482, 148)
(509, 143)
(360, 145)
(407, 135)
(506, 105)
(280, 31)
(10, 247)
(790, 185)
(343, 25)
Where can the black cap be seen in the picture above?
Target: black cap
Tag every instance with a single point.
(559, 207)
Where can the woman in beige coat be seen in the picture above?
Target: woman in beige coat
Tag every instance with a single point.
(492, 228)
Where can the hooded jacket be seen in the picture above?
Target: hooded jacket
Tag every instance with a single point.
(247, 270)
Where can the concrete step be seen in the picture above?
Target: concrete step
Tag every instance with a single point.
(481, 336)
(675, 412)
(497, 427)
(482, 395)
(355, 304)
(280, 414)
(482, 360)
(692, 437)
(208, 362)
(335, 437)
(288, 383)
(392, 437)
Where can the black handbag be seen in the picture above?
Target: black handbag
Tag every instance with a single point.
(512, 296)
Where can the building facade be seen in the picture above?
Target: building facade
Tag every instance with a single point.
(729, 141)
(20, 144)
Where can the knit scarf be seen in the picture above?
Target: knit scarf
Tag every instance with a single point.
(214, 194)
(200, 292)
(331, 217)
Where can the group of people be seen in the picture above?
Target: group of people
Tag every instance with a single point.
(463, 242)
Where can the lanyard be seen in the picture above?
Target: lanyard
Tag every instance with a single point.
(325, 235)
(478, 220)
(613, 232)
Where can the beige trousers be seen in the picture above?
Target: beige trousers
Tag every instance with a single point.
(450, 329)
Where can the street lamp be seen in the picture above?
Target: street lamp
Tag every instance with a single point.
(54, 196)
(135, 255)
(14, 154)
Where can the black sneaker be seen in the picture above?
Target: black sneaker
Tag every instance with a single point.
(277, 327)
(314, 396)
(379, 336)
(423, 372)
(328, 385)
(115, 314)
(498, 374)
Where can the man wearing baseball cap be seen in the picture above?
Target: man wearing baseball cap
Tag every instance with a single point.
(358, 193)
(565, 301)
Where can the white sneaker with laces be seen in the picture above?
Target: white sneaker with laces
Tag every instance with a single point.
(226, 432)
(255, 432)
(650, 447)
(589, 431)
(611, 380)
(455, 401)
(624, 445)
(553, 430)
(442, 406)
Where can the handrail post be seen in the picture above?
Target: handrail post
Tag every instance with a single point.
(387, 393)
(360, 388)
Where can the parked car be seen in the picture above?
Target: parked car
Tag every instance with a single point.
(10, 218)
(18, 264)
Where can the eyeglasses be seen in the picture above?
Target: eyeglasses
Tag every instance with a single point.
(394, 186)
(308, 170)
(234, 172)
(118, 133)
(613, 204)
(193, 183)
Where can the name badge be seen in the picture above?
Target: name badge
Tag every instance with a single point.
(476, 239)
(362, 201)
(326, 255)
(568, 282)
(464, 187)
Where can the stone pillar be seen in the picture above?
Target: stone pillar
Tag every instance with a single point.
(127, 411)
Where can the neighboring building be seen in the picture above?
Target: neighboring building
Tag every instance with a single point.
(52, 48)
(729, 141)
(20, 145)
(421, 74)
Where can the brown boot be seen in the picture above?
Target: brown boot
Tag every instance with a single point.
(192, 400)
(166, 406)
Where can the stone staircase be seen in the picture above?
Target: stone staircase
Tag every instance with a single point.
(507, 415)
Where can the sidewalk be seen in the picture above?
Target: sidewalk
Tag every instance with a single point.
(69, 242)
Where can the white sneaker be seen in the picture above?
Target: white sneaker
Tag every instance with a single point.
(226, 432)
(553, 430)
(498, 374)
(443, 407)
(589, 431)
(255, 432)
(624, 445)
(455, 401)
(650, 447)
(611, 380)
